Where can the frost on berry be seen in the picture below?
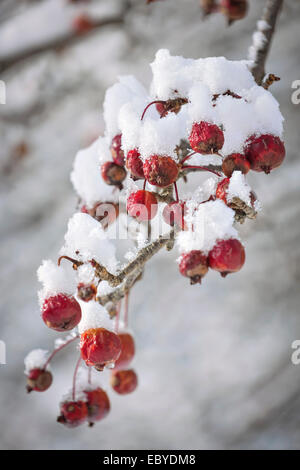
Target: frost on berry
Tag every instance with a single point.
(265, 152)
(127, 351)
(142, 205)
(97, 403)
(99, 347)
(134, 164)
(61, 312)
(206, 138)
(124, 381)
(194, 265)
(160, 170)
(73, 413)
(227, 256)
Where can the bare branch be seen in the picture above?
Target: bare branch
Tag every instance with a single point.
(262, 38)
(56, 43)
(120, 292)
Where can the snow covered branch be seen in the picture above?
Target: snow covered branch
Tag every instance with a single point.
(262, 38)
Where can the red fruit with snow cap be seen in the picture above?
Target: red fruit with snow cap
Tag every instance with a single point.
(194, 265)
(160, 170)
(73, 413)
(124, 381)
(227, 256)
(99, 347)
(38, 380)
(97, 403)
(134, 164)
(265, 152)
(61, 312)
(127, 351)
(116, 150)
(142, 205)
(235, 162)
(206, 138)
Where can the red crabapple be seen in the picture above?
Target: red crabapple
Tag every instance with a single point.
(235, 162)
(38, 380)
(127, 351)
(206, 138)
(265, 152)
(86, 292)
(97, 403)
(134, 164)
(194, 265)
(174, 213)
(113, 174)
(142, 205)
(61, 312)
(222, 188)
(227, 256)
(234, 9)
(124, 381)
(99, 347)
(160, 170)
(73, 413)
(116, 150)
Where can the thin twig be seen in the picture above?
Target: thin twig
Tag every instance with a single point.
(262, 38)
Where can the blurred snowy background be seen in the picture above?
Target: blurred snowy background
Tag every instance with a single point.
(213, 360)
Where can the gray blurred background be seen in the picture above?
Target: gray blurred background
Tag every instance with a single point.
(214, 361)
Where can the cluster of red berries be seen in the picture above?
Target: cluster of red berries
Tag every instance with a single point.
(99, 348)
(233, 10)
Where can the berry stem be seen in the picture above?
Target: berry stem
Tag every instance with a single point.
(187, 157)
(150, 104)
(118, 315)
(90, 375)
(144, 185)
(176, 191)
(126, 309)
(74, 261)
(56, 350)
(74, 378)
(191, 167)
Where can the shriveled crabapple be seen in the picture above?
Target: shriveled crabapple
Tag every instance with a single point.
(134, 164)
(194, 265)
(235, 162)
(160, 170)
(142, 205)
(116, 150)
(127, 351)
(265, 152)
(86, 292)
(234, 9)
(73, 413)
(97, 403)
(174, 213)
(99, 347)
(61, 312)
(206, 138)
(124, 381)
(38, 380)
(113, 174)
(227, 256)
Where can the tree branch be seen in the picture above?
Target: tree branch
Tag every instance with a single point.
(262, 39)
(67, 39)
